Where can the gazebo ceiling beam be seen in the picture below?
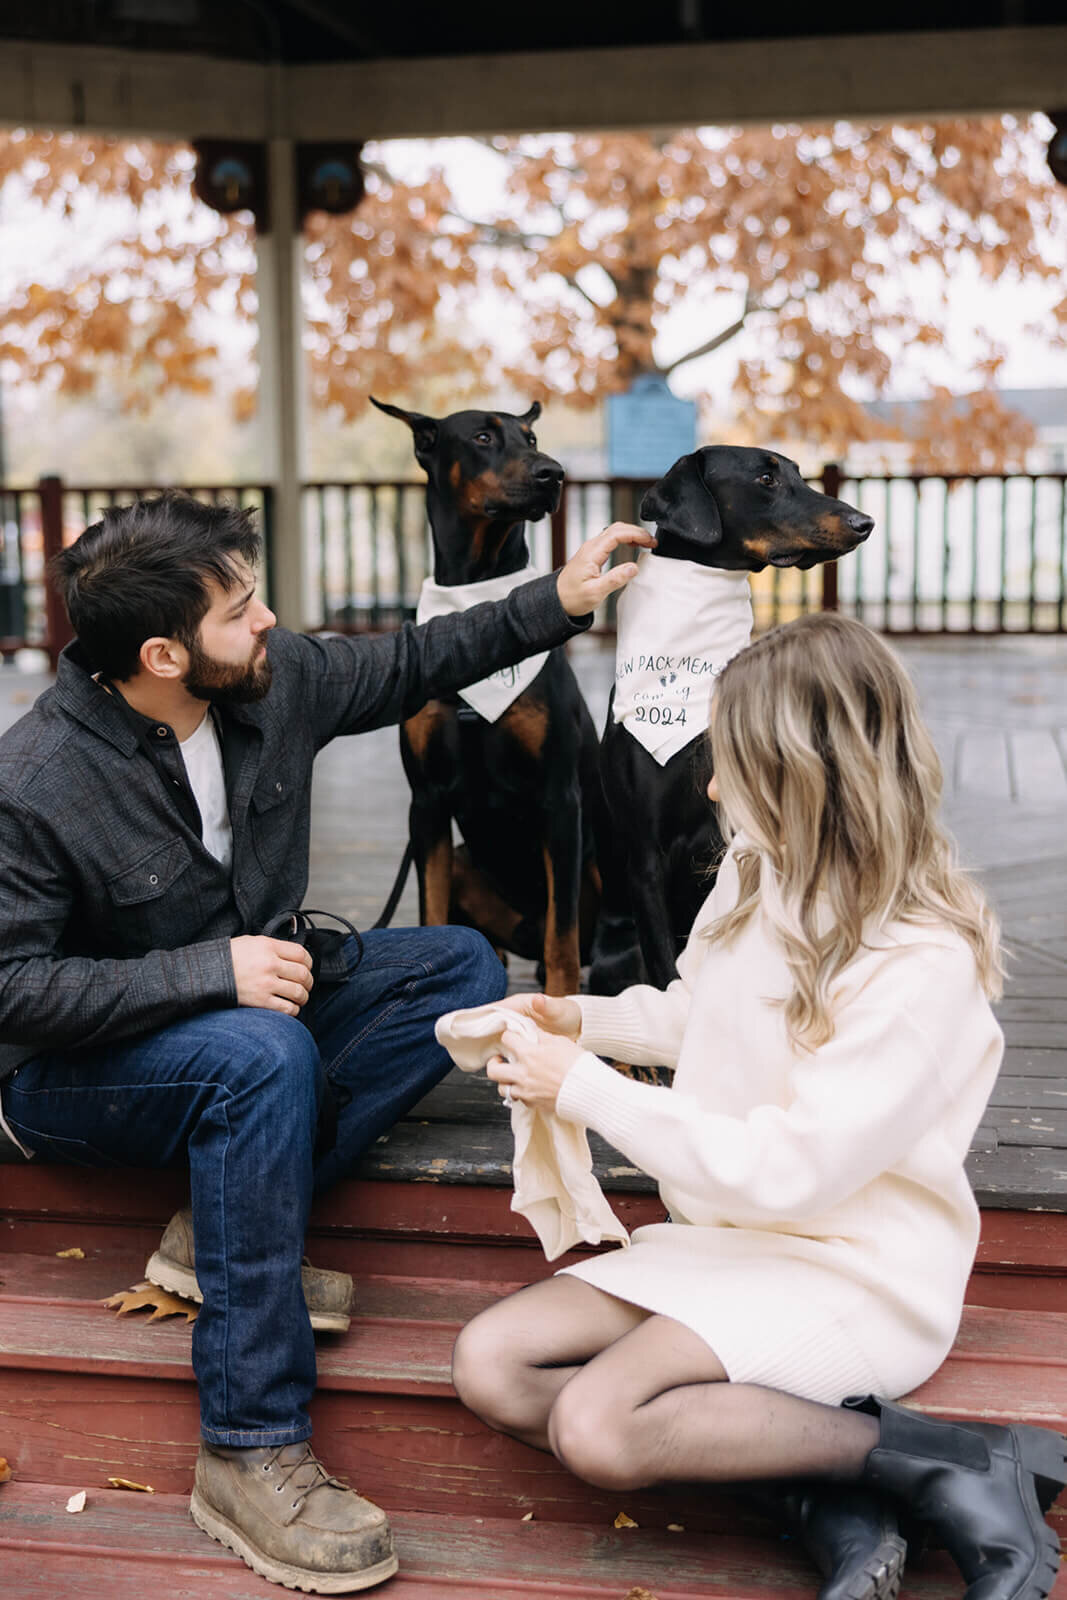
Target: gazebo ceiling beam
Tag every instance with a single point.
(336, 19)
(192, 96)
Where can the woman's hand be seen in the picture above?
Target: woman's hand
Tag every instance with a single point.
(536, 1069)
(550, 1014)
(582, 584)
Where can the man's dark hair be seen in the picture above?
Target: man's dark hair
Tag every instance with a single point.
(142, 571)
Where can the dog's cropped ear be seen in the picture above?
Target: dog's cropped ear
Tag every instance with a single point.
(682, 505)
(533, 413)
(424, 429)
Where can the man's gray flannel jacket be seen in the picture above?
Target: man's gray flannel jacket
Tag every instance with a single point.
(114, 918)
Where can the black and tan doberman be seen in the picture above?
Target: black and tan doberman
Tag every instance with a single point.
(722, 506)
(521, 788)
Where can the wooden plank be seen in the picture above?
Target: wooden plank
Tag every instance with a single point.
(1023, 1240)
(1027, 1094)
(1047, 1008)
(1037, 1129)
(1035, 1062)
(1038, 766)
(1020, 1178)
(1043, 1033)
(130, 1538)
(439, 1210)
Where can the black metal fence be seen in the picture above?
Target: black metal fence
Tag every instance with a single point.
(967, 554)
(36, 522)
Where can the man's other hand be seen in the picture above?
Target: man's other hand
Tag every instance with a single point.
(582, 583)
(271, 973)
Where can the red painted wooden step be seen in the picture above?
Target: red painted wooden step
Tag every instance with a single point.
(84, 1393)
(123, 1544)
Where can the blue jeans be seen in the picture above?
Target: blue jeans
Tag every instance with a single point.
(236, 1093)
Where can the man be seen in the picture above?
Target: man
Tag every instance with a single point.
(154, 818)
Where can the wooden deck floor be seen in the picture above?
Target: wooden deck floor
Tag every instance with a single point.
(998, 711)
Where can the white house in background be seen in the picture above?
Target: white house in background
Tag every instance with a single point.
(1045, 408)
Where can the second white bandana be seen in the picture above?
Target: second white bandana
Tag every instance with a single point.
(678, 625)
(491, 696)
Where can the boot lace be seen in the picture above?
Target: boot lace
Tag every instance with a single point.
(306, 1474)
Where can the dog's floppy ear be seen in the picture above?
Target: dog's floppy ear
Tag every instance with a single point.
(424, 429)
(533, 413)
(682, 504)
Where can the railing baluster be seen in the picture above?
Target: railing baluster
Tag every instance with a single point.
(1031, 610)
(319, 493)
(976, 484)
(375, 575)
(1003, 552)
(915, 541)
(1061, 614)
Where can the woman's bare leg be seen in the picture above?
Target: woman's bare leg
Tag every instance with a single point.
(653, 1407)
(511, 1361)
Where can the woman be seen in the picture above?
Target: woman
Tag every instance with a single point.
(834, 1049)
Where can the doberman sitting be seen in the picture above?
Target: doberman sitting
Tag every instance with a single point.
(521, 787)
(740, 510)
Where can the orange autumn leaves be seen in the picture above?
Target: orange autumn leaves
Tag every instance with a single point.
(794, 237)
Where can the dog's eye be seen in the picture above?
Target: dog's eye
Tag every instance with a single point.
(768, 479)
(531, 441)
(485, 437)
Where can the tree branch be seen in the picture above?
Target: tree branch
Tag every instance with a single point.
(719, 339)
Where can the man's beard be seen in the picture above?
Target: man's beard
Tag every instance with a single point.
(224, 684)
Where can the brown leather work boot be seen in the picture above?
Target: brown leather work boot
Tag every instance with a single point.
(328, 1295)
(280, 1510)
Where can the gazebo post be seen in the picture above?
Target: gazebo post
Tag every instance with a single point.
(283, 380)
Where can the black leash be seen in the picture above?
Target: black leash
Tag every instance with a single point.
(389, 909)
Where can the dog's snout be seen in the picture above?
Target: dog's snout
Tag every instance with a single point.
(548, 473)
(860, 523)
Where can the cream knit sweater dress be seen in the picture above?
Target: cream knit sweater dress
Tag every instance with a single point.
(823, 1228)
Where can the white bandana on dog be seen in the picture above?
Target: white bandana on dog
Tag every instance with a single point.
(491, 696)
(678, 625)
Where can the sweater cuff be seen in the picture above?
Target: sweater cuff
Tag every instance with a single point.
(583, 1092)
(546, 609)
(611, 1024)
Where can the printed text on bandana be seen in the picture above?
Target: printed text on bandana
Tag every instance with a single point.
(678, 626)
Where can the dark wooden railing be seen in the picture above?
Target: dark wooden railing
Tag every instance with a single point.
(967, 554)
(35, 524)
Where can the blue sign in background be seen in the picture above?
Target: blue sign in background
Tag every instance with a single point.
(648, 429)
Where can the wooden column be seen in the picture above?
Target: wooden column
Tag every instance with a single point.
(282, 382)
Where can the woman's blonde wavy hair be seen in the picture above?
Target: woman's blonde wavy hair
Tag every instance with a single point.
(827, 769)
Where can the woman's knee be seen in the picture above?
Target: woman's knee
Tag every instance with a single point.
(588, 1435)
(487, 1376)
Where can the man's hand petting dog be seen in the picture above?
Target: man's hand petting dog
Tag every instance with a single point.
(271, 973)
(582, 584)
(534, 1069)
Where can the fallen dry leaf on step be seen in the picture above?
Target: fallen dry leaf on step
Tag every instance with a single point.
(640, 1594)
(528, 1517)
(73, 1254)
(676, 1527)
(143, 1295)
(77, 1501)
(623, 1521)
(128, 1483)
(5, 1470)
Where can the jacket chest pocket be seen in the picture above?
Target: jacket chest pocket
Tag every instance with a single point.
(151, 876)
(271, 822)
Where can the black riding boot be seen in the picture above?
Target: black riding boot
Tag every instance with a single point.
(850, 1534)
(980, 1492)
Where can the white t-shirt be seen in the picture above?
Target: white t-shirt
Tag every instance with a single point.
(202, 754)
